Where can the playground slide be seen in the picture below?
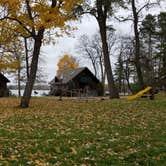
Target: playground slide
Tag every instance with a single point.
(132, 97)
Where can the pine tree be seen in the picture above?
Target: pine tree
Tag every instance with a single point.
(162, 48)
(148, 42)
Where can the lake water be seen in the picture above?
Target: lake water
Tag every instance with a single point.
(39, 92)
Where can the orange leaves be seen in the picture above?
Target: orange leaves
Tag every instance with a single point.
(47, 17)
(57, 149)
(36, 14)
(10, 53)
(9, 63)
(11, 6)
(26, 18)
(67, 63)
(74, 151)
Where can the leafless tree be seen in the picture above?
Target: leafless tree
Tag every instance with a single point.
(91, 50)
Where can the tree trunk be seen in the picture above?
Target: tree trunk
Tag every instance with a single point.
(151, 66)
(128, 84)
(127, 76)
(19, 82)
(94, 67)
(26, 58)
(33, 70)
(93, 61)
(102, 73)
(164, 69)
(101, 70)
(102, 25)
(137, 47)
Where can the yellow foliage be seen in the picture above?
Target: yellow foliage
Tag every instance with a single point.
(30, 17)
(38, 14)
(9, 63)
(66, 63)
(10, 54)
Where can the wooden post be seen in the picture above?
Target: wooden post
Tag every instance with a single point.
(61, 79)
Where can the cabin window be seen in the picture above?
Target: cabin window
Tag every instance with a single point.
(85, 79)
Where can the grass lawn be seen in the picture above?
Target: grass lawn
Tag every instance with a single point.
(83, 133)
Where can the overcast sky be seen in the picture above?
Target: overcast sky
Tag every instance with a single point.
(67, 45)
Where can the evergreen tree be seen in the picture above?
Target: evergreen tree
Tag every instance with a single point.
(148, 42)
(119, 73)
(162, 48)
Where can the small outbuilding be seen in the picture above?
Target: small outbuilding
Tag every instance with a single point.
(76, 82)
(3, 86)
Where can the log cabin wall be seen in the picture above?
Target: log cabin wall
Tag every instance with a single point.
(3, 89)
(3, 86)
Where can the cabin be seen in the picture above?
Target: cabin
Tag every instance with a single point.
(3, 86)
(76, 82)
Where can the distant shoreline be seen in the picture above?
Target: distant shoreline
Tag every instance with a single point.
(36, 87)
(35, 92)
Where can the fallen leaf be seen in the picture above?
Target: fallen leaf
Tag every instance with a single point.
(73, 150)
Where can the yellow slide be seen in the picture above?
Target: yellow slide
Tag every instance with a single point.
(139, 93)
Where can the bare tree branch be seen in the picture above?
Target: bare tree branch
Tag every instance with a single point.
(30, 16)
(147, 5)
(122, 19)
(21, 23)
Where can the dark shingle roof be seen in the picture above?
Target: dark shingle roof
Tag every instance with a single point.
(3, 78)
(69, 75)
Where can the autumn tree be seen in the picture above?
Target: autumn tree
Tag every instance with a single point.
(15, 57)
(67, 63)
(8, 62)
(32, 19)
(16, 48)
(12, 52)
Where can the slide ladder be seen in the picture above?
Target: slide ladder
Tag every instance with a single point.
(140, 93)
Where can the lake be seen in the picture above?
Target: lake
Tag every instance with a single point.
(39, 92)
